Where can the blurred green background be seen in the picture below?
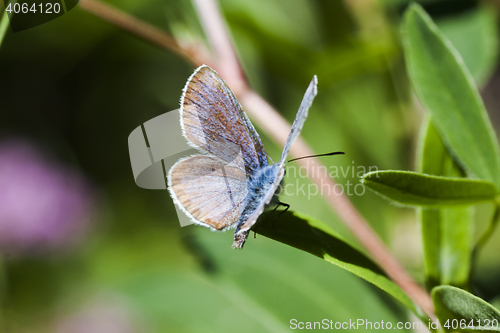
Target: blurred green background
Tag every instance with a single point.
(89, 251)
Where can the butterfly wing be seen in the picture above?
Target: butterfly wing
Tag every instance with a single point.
(300, 118)
(277, 175)
(213, 121)
(210, 191)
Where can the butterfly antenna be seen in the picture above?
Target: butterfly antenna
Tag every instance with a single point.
(319, 155)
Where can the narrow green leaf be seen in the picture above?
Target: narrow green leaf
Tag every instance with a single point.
(430, 228)
(310, 235)
(432, 156)
(447, 91)
(447, 233)
(464, 310)
(4, 25)
(416, 189)
(474, 34)
(284, 281)
(488, 233)
(496, 303)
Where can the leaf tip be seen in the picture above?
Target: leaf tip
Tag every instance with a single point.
(367, 176)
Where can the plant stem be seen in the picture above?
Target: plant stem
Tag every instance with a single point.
(484, 238)
(491, 228)
(140, 29)
(272, 123)
(214, 26)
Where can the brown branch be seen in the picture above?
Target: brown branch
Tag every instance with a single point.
(272, 123)
(141, 29)
(214, 25)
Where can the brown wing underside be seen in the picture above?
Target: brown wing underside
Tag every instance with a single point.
(213, 120)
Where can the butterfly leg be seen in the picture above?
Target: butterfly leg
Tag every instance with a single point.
(239, 240)
(277, 205)
(283, 211)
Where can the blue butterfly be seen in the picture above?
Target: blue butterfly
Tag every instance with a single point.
(231, 183)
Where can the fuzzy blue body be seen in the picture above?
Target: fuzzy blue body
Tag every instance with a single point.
(259, 185)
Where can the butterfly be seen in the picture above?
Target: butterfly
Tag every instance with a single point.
(231, 182)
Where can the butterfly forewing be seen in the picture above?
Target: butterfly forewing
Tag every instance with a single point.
(300, 118)
(214, 122)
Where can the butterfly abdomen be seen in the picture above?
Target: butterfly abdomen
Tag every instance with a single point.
(259, 185)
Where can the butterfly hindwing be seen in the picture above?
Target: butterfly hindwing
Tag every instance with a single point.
(210, 191)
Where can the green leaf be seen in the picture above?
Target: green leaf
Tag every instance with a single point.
(286, 283)
(415, 189)
(310, 235)
(456, 304)
(496, 303)
(432, 156)
(4, 24)
(447, 91)
(474, 34)
(447, 233)
(488, 233)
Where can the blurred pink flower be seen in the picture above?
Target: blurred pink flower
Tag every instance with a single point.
(44, 206)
